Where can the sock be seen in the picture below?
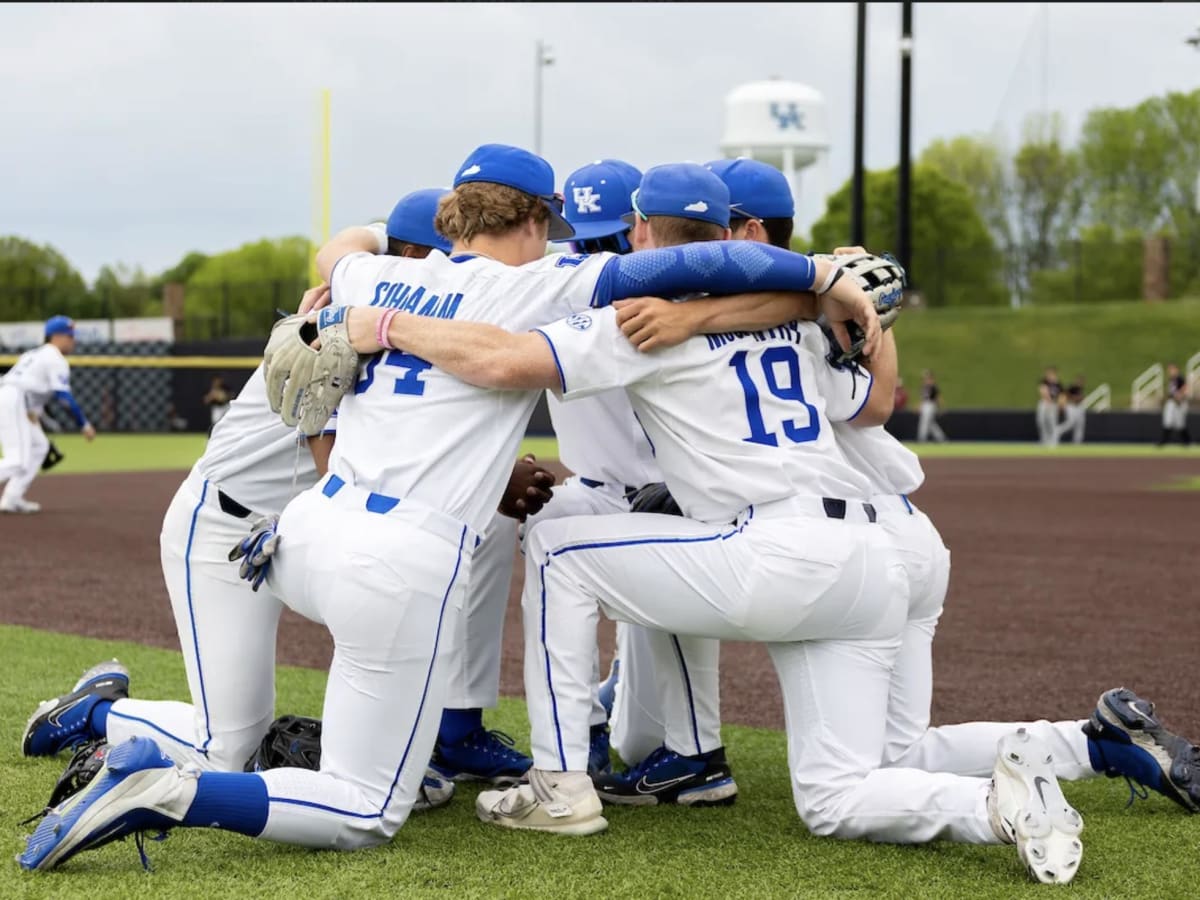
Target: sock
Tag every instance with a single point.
(458, 723)
(98, 718)
(232, 801)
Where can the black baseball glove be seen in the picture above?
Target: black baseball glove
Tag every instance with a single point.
(292, 742)
(85, 764)
(654, 498)
(53, 457)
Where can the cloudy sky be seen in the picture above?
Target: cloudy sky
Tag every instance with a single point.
(136, 133)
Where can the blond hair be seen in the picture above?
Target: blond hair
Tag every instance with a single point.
(671, 231)
(480, 207)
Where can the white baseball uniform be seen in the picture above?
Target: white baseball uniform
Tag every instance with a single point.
(38, 375)
(894, 472)
(381, 550)
(252, 466)
(779, 547)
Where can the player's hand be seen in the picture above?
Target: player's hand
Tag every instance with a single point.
(362, 327)
(314, 299)
(651, 323)
(529, 489)
(847, 302)
(89, 432)
(849, 251)
(256, 551)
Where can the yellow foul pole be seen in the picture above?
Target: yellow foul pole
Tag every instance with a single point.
(323, 193)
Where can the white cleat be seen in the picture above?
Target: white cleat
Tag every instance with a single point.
(434, 793)
(1026, 807)
(25, 507)
(558, 802)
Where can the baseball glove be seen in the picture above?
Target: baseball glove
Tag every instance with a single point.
(53, 457)
(883, 280)
(85, 764)
(654, 498)
(305, 385)
(292, 742)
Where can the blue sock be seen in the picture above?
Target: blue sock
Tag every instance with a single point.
(98, 718)
(458, 723)
(232, 801)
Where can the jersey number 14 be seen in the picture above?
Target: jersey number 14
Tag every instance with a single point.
(774, 361)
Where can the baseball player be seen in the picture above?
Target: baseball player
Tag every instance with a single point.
(931, 401)
(1175, 408)
(252, 466)
(380, 549)
(38, 375)
(1049, 389)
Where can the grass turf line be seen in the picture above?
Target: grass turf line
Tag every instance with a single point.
(757, 848)
(169, 452)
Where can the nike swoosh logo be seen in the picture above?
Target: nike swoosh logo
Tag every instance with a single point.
(649, 787)
(55, 718)
(1038, 783)
(1144, 713)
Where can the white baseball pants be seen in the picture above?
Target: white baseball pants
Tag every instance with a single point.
(389, 587)
(969, 748)
(227, 636)
(24, 445)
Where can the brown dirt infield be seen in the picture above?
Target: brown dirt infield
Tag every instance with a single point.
(1069, 577)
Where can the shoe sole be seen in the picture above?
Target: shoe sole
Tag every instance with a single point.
(83, 687)
(1047, 828)
(127, 792)
(1116, 711)
(573, 829)
(722, 793)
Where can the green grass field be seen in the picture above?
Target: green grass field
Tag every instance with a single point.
(159, 452)
(757, 848)
(994, 357)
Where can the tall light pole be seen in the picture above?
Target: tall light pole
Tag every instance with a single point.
(857, 218)
(543, 59)
(903, 197)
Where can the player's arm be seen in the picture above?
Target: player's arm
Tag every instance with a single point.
(364, 239)
(479, 354)
(883, 366)
(651, 323)
(62, 383)
(320, 446)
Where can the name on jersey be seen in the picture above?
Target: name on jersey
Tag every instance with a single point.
(789, 331)
(409, 299)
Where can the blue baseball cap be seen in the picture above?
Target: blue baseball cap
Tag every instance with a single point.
(60, 325)
(412, 219)
(756, 190)
(684, 190)
(521, 170)
(597, 195)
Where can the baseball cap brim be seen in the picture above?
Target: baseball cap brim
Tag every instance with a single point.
(585, 231)
(560, 228)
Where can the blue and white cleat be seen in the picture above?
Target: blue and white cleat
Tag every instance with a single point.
(1026, 807)
(599, 758)
(481, 756)
(65, 722)
(608, 687)
(1131, 741)
(138, 789)
(434, 793)
(666, 777)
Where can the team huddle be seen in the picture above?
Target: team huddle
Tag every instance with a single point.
(720, 401)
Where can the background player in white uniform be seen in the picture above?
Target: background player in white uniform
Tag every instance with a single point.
(252, 466)
(37, 376)
(380, 549)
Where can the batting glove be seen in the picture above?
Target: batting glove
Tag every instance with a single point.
(256, 550)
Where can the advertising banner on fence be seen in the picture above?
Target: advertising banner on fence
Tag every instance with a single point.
(21, 335)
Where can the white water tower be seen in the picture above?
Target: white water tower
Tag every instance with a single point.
(784, 124)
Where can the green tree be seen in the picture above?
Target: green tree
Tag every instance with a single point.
(1046, 175)
(122, 292)
(954, 261)
(981, 165)
(236, 293)
(37, 282)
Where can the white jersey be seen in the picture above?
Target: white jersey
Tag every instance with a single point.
(39, 374)
(411, 431)
(887, 464)
(600, 438)
(253, 457)
(735, 419)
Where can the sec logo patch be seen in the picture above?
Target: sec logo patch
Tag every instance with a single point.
(580, 321)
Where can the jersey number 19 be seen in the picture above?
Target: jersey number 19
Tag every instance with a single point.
(772, 362)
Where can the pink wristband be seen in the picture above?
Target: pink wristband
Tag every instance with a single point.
(381, 331)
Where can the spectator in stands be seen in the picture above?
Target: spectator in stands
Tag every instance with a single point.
(1175, 408)
(217, 400)
(1073, 412)
(1049, 389)
(927, 426)
(901, 396)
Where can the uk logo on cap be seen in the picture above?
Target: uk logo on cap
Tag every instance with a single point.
(598, 194)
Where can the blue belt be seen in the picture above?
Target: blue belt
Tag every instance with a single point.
(376, 503)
